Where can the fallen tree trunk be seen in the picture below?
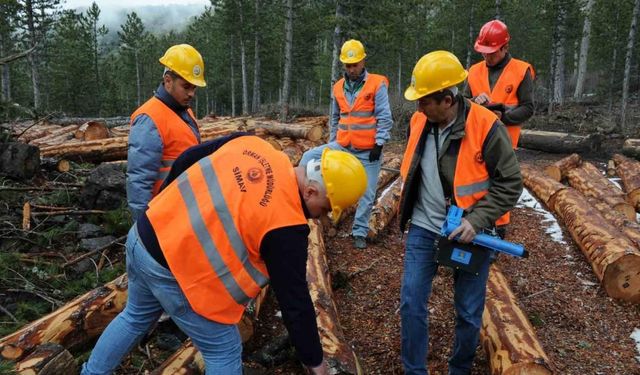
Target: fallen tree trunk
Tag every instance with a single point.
(47, 359)
(506, 335)
(559, 169)
(99, 150)
(543, 186)
(558, 143)
(613, 257)
(53, 164)
(92, 130)
(341, 359)
(73, 324)
(55, 137)
(34, 132)
(630, 228)
(385, 208)
(629, 172)
(588, 180)
(631, 148)
(293, 130)
(109, 121)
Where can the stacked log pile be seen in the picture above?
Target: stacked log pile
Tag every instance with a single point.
(612, 254)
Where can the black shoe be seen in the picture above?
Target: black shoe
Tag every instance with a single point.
(359, 242)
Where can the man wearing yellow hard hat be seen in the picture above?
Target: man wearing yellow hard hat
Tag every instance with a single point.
(232, 218)
(360, 124)
(164, 126)
(458, 153)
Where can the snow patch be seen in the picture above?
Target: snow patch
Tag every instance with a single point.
(552, 226)
(636, 336)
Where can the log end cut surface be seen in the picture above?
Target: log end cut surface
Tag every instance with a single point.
(622, 278)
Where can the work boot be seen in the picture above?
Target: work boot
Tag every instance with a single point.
(359, 242)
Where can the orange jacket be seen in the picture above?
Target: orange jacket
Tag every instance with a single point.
(357, 125)
(211, 221)
(471, 180)
(176, 135)
(505, 89)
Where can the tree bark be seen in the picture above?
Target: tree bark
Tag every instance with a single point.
(33, 57)
(385, 208)
(92, 130)
(47, 359)
(629, 172)
(341, 359)
(243, 63)
(337, 44)
(559, 51)
(255, 103)
(71, 326)
(507, 337)
(584, 51)
(588, 180)
(631, 148)
(288, 56)
(310, 132)
(627, 64)
(543, 186)
(630, 228)
(107, 149)
(232, 79)
(559, 169)
(557, 142)
(57, 136)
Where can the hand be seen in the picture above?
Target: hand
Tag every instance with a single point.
(374, 154)
(465, 230)
(321, 369)
(499, 114)
(482, 98)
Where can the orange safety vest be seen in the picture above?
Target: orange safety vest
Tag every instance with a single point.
(357, 125)
(210, 223)
(505, 89)
(176, 135)
(471, 180)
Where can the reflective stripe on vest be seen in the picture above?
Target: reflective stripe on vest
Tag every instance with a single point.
(471, 180)
(210, 224)
(505, 89)
(175, 134)
(357, 125)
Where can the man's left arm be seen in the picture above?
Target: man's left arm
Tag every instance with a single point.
(524, 110)
(505, 179)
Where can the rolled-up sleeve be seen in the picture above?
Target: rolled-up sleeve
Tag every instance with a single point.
(383, 115)
(143, 162)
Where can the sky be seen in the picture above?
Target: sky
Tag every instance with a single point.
(130, 3)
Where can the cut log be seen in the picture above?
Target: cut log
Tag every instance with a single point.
(630, 228)
(507, 337)
(93, 151)
(588, 180)
(53, 164)
(92, 130)
(385, 208)
(613, 257)
(559, 169)
(629, 172)
(631, 148)
(559, 143)
(26, 216)
(56, 137)
(47, 359)
(611, 169)
(109, 121)
(72, 325)
(35, 132)
(310, 132)
(341, 359)
(543, 186)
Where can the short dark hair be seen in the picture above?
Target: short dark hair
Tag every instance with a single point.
(171, 74)
(439, 96)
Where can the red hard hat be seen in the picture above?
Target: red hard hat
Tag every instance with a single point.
(493, 35)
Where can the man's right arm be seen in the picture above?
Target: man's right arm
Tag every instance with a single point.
(333, 121)
(284, 251)
(143, 163)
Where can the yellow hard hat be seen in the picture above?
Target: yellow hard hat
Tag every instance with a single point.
(434, 71)
(352, 52)
(344, 179)
(186, 62)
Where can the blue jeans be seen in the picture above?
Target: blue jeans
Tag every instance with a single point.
(152, 289)
(469, 293)
(363, 212)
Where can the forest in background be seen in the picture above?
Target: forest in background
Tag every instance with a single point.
(267, 55)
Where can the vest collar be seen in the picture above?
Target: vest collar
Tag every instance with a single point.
(164, 96)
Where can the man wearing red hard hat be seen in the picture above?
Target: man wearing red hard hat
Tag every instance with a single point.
(501, 82)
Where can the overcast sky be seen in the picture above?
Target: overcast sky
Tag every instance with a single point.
(130, 3)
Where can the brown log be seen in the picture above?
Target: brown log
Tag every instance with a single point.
(291, 149)
(507, 336)
(543, 186)
(185, 361)
(92, 130)
(98, 150)
(34, 132)
(629, 172)
(26, 216)
(56, 137)
(72, 325)
(47, 359)
(613, 257)
(559, 169)
(557, 142)
(611, 169)
(385, 208)
(310, 132)
(120, 131)
(630, 228)
(631, 148)
(53, 164)
(340, 358)
(588, 180)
